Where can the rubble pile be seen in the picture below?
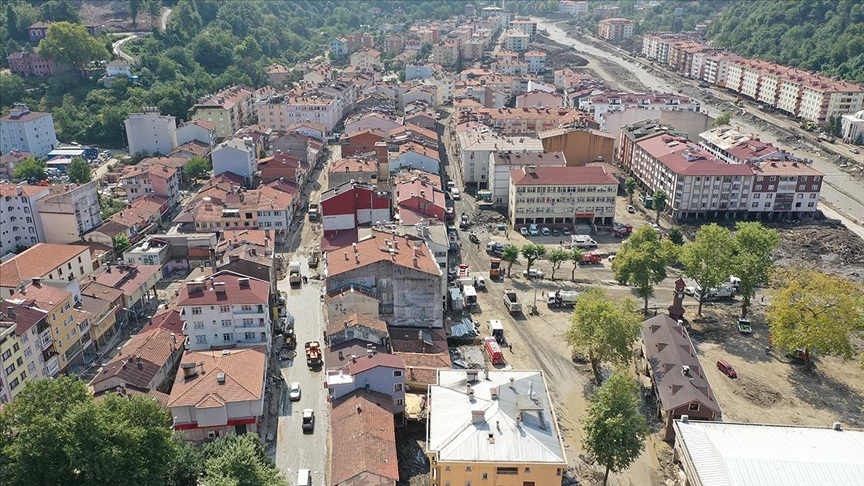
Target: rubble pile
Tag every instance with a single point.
(819, 244)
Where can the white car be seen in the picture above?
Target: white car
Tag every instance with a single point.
(631, 209)
(294, 391)
(523, 231)
(691, 290)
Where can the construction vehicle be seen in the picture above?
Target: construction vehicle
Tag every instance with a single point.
(496, 329)
(494, 268)
(294, 276)
(562, 298)
(313, 212)
(493, 349)
(313, 354)
(511, 301)
(592, 258)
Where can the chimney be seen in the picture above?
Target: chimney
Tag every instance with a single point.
(478, 417)
(10, 312)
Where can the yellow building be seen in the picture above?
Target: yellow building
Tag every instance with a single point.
(21, 349)
(493, 427)
(230, 110)
(13, 372)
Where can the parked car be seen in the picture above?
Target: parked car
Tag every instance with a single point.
(854, 150)
(726, 368)
(533, 230)
(523, 231)
(566, 231)
(631, 209)
(556, 232)
(533, 273)
(545, 231)
(294, 391)
(308, 420)
(690, 290)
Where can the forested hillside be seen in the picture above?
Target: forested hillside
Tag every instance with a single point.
(820, 35)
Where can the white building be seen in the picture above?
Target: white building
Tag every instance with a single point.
(27, 131)
(516, 41)
(600, 104)
(419, 71)
(69, 211)
(225, 309)
(561, 195)
(151, 133)
(197, 131)
(476, 142)
(570, 7)
(236, 156)
(536, 61)
(19, 216)
(279, 112)
(852, 127)
(501, 163)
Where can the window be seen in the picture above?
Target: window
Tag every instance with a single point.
(398, 402)
(527, 470)
(198, 325)
(224, 308)
(246, 307)
(31, 367)
(397, 387)
(196, 310)
(694, 407)
(228, 336)
(485, 476)
(248, 322)
(10, 369)
(13, 383)
(19, 361)
(467, 468)
(507, 470)
(397, 373)
(7, 355)
(201, 339)
(227, 323)
(27, 353)
(249, 335)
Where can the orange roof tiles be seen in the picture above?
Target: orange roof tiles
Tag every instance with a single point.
(37, 261)
(374, 249)
(140, 360)
(244, 377)
(252, 291)
(363, 437)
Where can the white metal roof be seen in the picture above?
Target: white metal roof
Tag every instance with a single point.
(727, 454)
(452, 434)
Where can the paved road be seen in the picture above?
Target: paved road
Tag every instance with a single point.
(841, 191)
(294, 449)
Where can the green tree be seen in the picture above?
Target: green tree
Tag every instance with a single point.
(196, 167)
(134, 9)
(708, 258)
(659, 201)
(58, 11)
(642, 262)
(722, 119)
(752, 262)
(184, 23)
(813, 310)
(154, 10)
(70, 44)
(12, 29)
(603, 329)
(576, 258)
(510, 255)
(79, 171)
(630, 185)
(240, 460)
(53, 432)
(615, 430)
(532, 252)
(556, 258)
(13, 88)
(121, 244)
(676, 235)
(29, 169)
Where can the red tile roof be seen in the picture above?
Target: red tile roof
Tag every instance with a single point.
(244, 370)
(257, 291)
(565, 176)
(374, 249)
(363, 438)
(374, 360)
(38, 261)
(688, 159)
(141, 358)
(11, 190)
(356, 320)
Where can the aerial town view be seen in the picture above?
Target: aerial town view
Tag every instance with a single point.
(432, 242)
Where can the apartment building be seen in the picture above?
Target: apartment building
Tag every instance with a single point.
(477, 142)
(151, 132)
(197, 131)
(69, 211)
(283, 110)
(156, 179)
(852, 128)
(19, 212)
(599, 105)
(561, 195)
(353, 203)
(502, 163)
(135, 281)
(225, 206)
(615, 29)
(528, 27)
(785, 189)
(580, 146)
(495, 427)
(528, 120)
(27, 131)
(419, 201)
(45, 261)
(238, 156)
(226, 309)
(713, 68)
(367, 59)
(445, 53)
(517, 41)
(369, 370)
(20, 348)
(346, 170)
(536, 62)
(735, 147)
(569, 7)
(228, 110)
(26, 64)
(219, 393)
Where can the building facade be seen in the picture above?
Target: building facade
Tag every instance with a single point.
(19, 213)
(561, 195)
(151, 133)
(69, 211)
(229, 110)
(27, 131)
(615, 29)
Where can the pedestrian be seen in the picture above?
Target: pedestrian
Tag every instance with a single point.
(511, 347)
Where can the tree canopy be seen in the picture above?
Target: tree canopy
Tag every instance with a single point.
(642, 261)
(532, 252)
(708, 258)
(615, 430)
(30, 169)
(603, 329)
(79, 171)
(817, 311)
(556, 258)
(196, 167)
(752, 260)
(71, 45)
(510, 255)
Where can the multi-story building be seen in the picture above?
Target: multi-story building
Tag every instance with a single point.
(735, 147)
(146, 364)
(599, 105)
(713, 68)
(367, 59)
(229, 110)
(9, 160)
(528, 120)
(419, 201)
(20, 348)
(345, 170)
(150, 132)
(219, 393)
(69, 211)
(615, 29)
(561, 195)
(517, 41)
(237, 156)
(446, 53)
(27, 131)
(475, 415)
(150, 251)
(354, 203)
(226, 309)
(525, 26)
(785, 189)
(156, 179)
(44, 261)
(476, 143)
(197, 131)
(378, 372)
(502, 163)
(400, 272)
(371, 431)
(412, 155)
(135, 281)
(28, 64)
(19, 213)
(394, 44)
(852, 128)
(536, 61)
(283, 110)
(580, 146)
(570, 7)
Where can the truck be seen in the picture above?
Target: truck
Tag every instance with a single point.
(562, 298)
(496, 329)
(511, 301)
(456, 299)
(477, 281)
(724, 292)
(313, 354)
(493, 349)
(494, 268)
(591, 258)
(313, 212)
(494, 248)
(470, 296)
(294, 276)
(583, 241)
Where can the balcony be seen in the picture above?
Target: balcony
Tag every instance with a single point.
(256, 309)
(52, 366)
(260, 323)
(45, 340)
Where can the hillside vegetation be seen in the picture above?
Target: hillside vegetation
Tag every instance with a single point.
(819, 35)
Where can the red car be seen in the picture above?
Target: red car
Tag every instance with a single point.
(726, 369)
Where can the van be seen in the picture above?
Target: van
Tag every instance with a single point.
(304, 477)
(455, 194)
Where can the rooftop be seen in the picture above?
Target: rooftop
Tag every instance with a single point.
(7, 189)
(243, 369)
(126, 277)
(356, 320)
(533, 158)
(140, 360)
(382, 247)
(688, 159)
(38, 261)
(226, 98)
(363, 438)
(225, 288)
(515, 425)
(730, 454)
(568, 176)
(676, 371)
